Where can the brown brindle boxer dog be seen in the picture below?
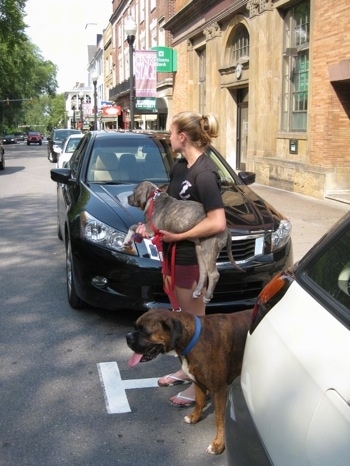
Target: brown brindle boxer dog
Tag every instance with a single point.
(210, 349)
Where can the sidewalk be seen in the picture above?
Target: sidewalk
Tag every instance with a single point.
(310, 217)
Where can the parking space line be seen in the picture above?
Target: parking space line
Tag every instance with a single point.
(115, 388)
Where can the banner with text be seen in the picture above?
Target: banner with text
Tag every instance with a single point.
(145, 67)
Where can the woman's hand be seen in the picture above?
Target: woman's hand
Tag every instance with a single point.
(169, 237)
(141, 230)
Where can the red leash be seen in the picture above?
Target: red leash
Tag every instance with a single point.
(168, 266)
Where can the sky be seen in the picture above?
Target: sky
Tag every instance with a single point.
(58, 29)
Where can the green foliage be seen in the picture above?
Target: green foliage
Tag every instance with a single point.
(24, 74)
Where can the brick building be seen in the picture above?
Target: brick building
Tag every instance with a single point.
(277, 75)
(150, 17)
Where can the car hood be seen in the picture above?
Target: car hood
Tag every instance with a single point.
(246, 212)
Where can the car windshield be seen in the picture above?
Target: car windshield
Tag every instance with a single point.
(131, 163)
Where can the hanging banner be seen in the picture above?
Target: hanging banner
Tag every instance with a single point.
(145, 68)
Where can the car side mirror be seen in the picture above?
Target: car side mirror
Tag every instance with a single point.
(247, 177)
(61, 175)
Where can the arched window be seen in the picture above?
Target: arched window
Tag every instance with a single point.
(240, 45)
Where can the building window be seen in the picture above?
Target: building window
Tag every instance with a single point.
(296, 67)
(240, 45)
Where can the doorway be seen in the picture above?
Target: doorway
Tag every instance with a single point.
(242, 128)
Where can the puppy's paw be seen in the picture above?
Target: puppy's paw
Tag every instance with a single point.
(207, 299)
(196, 294)
(216, 448)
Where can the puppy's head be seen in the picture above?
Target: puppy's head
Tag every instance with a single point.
(141, 194)
(157, 331)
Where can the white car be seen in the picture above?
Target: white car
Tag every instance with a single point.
(291, 404)
(67, 148)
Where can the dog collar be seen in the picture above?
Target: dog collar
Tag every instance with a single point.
(195, 337)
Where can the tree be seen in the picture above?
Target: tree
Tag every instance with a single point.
(24, 73)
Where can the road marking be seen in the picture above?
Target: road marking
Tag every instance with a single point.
(115, 388)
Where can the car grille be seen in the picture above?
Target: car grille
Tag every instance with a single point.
(243, 248)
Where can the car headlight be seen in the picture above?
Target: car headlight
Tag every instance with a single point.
(281, 236)
(97, 232)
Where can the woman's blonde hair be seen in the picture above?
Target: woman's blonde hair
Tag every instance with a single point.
(200, 129)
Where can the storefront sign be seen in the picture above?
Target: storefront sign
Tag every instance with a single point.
(166, 59)
(145, 103)
(110, 111)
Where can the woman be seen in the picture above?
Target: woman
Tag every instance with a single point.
(193, 177)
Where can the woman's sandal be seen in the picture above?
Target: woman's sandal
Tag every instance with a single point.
(185, 403)
(172, 380)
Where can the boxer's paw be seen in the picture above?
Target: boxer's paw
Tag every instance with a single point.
(192, 418)
(196, 294)
(215, 448)
(207, 299)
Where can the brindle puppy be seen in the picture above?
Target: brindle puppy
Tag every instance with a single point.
(177, 216)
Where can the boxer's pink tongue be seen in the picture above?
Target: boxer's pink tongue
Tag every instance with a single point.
(135, 359)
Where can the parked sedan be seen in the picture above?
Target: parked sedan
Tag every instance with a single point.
(291, 404)
(68, 146)
(94, 217)
(9, 139)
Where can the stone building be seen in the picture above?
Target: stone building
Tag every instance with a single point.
(277, 75)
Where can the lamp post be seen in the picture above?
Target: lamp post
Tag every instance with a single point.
(94, 82)
(81, 98)
(130, 29)
(73, 108)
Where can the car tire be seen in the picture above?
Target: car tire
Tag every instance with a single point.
(73, 299)
(40, 143)
(28, 143)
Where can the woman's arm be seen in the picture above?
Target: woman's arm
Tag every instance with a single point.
(215, 222)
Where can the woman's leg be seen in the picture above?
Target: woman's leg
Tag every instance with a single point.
(194, 306)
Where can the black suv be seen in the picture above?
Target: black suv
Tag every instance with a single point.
(55, 140)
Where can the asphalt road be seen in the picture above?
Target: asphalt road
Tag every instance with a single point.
(52, 397)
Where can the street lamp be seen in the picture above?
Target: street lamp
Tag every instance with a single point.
(81, 98)
(130, 29)
(94, 82)
(73, 108)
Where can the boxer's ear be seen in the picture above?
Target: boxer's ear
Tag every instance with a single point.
(176, 333)
(174, 329)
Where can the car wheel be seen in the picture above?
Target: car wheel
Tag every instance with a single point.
(28, 143)
(39, 143)
(73, 298)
